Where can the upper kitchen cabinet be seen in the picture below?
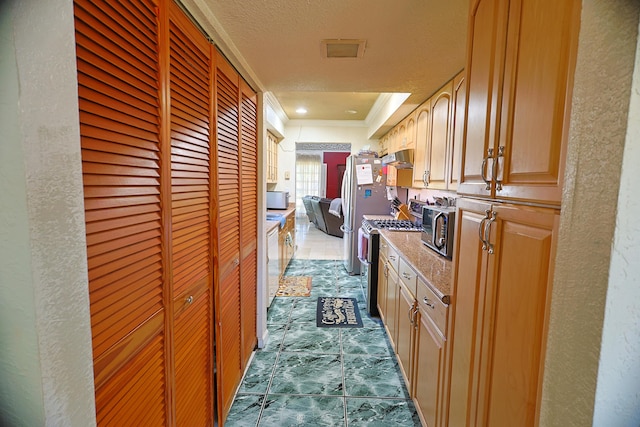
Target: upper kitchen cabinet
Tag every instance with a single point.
(439, 125)
(407, 132)
(272, 158)
(520, 71)
(457, 130)
(423, 126)
(437, 158)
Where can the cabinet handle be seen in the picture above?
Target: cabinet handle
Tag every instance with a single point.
(189, 299)
(482, 231)
(382, 245)
(428, 303)
(425, 178)
(487, 229)
(386, 270)
(406, 276)
(236, 262)
(413, 311)
(497, 162)
(392, 257)
(483, 169)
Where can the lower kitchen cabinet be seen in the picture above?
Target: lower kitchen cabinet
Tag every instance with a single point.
(500, 312)
(392, 306)
(287, 241)
(428, 368)
(405, 333)
(416, 322)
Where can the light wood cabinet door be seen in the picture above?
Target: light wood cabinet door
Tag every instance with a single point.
(410, 131)
(429, 355)
(457, 130)
(520, 70)
(405, 321)
(501, 307)
(272, 158)
(420, 161)
(437, 162)
(485, 46)
(391, 306)
(538, 81)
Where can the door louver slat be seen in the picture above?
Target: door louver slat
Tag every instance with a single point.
(119, 124)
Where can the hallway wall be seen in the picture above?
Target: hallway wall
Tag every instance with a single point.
(46, 367)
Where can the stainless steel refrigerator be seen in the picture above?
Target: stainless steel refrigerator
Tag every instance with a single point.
(363, 192)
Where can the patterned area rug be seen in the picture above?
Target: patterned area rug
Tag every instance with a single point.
(294, 286)
(338, 312)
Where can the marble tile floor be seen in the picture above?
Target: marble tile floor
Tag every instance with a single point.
(310, 376)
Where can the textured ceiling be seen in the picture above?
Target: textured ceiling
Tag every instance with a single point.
(412, 46)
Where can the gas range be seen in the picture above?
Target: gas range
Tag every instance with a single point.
(369, 225)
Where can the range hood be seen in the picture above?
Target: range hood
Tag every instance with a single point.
(402, 159)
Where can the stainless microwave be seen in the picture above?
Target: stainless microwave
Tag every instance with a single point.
(438, 223)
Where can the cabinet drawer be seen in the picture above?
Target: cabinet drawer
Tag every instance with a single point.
(432, 306)
(391, 254)
(408, 276)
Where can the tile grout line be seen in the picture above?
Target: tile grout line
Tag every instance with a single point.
(275, 364)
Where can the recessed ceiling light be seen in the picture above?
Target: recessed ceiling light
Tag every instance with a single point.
(301, 110)
(351, 111)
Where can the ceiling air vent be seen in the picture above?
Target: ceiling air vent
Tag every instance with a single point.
(342, 48)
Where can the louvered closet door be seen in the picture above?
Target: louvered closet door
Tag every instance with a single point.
(228, 313)
(190, 65)
(249, 229)
(117, 54)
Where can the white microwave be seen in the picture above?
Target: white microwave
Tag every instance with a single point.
(438, 223)
(277, 199)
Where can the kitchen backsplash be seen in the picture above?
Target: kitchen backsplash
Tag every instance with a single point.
(428, 194)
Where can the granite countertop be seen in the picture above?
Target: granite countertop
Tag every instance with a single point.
(433, 268)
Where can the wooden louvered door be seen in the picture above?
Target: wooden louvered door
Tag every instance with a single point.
(191, 243)
(249, 209)
(119, 93)
(227, 248)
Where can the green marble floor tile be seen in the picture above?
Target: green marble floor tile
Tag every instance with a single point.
(370, 341)
(276, 335)
(256, 380)
(369, 321)
(374, 376)
(307, 374)
(308, 338)
(381, 413)
(245, 411)
(294, 411)
(280, 310)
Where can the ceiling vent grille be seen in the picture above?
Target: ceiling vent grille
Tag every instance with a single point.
(342, 48)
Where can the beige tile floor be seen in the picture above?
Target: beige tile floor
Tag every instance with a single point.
(314, 244)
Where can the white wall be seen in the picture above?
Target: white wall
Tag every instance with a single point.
(618, 390)
(46, 369)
